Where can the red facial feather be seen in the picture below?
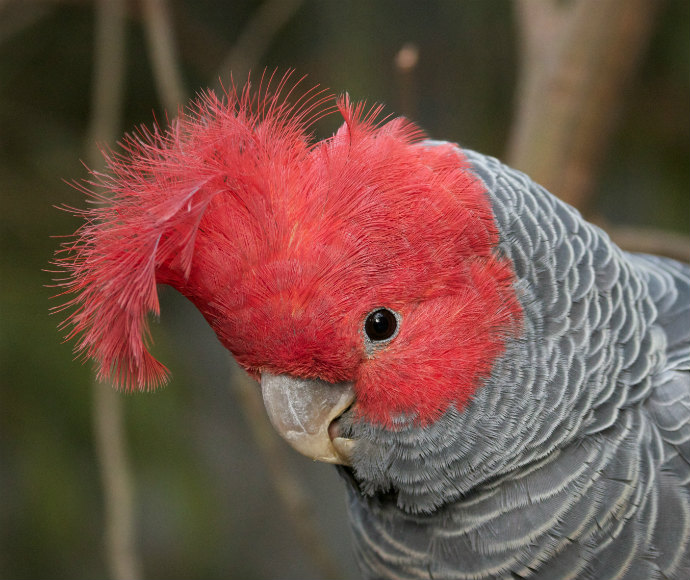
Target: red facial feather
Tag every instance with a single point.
(285, 246)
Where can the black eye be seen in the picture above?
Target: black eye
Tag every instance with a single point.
(380, 324)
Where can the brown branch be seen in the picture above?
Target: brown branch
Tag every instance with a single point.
(108, 76)
(123, 560)
(577, 60)
(244, 56)
(16, 17)
(293, 497)
(406, 61)
(650, 241)
(106, 107)
(163, 54)
(290, 492)
(256, 37)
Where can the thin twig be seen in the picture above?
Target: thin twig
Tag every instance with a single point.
(123, 560)
(292, 495)
(246, 53)
(290, 491)
(406, 61)
(577, 60)
(106, 107)
(108, 76)
(163, 54)
(256, 37)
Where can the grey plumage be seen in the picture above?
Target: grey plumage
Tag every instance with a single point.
(573, 459)
(552, 439)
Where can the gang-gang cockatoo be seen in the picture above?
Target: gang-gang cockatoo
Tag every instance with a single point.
(506, 392)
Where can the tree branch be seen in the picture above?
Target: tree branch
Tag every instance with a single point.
(256, 37)
(106, 106)
(123, 560)
(163, 55)
(295, 500)
(16, 17)
(406, 61)
(577, 60)
(650, 241)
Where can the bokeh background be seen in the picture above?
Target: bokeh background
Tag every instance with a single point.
(205, 500)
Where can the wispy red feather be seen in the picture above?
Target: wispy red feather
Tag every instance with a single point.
(148, 207)
(285, 245)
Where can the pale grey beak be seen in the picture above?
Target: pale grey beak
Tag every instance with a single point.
(302, 410)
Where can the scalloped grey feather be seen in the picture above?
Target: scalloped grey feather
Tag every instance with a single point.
(573, 459)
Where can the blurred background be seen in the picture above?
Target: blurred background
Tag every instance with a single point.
(599, 115)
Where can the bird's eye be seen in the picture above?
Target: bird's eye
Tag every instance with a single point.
(381, 324)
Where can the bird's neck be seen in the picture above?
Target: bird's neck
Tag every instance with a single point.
(576, 365)
(581, 495)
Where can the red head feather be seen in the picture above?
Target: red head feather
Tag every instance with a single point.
(285, 246)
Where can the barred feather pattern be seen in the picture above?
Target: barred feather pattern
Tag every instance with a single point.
(573, 459)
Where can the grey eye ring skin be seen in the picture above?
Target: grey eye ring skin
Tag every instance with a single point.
(373, 346)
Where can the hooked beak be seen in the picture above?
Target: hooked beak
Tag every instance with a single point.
(302, 411)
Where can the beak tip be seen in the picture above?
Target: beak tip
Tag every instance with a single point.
(344, 449)
(302, 410)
